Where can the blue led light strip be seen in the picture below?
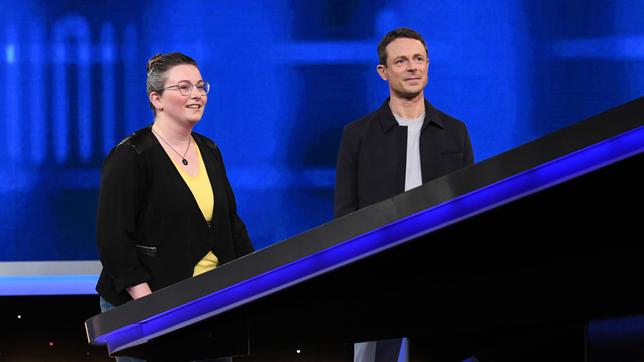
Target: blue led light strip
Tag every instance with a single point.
(73, 284)
(494, 195)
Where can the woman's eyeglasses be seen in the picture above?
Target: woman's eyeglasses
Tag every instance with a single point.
(185, 87)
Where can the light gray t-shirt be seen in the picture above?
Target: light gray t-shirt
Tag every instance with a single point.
(413, 173)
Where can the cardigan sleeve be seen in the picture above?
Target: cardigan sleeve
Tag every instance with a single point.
(346, 175)
(119, 201)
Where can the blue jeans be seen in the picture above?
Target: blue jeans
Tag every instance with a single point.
(384, 350)
(105, 306)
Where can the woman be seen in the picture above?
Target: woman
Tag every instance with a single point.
(166, 210)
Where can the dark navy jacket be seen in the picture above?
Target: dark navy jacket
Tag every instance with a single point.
(373, 155)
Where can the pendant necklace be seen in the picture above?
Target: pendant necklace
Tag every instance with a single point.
(183, 158)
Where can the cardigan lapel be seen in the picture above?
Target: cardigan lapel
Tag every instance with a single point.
(188, 195)
(214, 170)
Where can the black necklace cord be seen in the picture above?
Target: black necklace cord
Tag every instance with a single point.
(183, 158)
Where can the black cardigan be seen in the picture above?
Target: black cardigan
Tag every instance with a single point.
(373, 156)
(150, 228)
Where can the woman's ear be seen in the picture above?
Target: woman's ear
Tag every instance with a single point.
(155, 99)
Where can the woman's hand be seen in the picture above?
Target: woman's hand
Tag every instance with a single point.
(139, 290)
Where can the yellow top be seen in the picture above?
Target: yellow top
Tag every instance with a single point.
(202, 191)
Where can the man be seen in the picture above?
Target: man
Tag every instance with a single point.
(406, 142)
(400, 146)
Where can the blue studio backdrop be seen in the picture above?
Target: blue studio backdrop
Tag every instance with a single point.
(286, 76)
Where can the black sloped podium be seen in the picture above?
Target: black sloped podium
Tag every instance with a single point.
(546, 233)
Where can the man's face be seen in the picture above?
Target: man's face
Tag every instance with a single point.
(406, 68)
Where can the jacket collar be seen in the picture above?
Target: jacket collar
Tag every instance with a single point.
(388, 121)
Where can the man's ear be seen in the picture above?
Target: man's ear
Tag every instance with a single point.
(155, 99)
(382, 71)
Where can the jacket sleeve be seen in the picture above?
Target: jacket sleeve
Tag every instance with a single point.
(119, 200)
(468, 153)
(346, 175)
(241, 240)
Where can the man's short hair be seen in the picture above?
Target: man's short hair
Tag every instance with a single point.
(393, 35)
